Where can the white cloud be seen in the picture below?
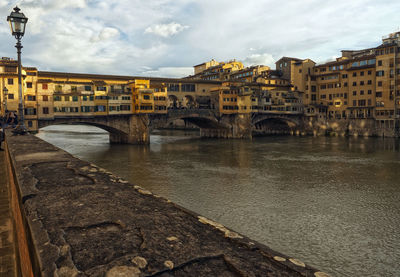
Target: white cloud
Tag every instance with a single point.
(171, 72)
(3, 3)
(115, 37)
(54, 4)
(259, 59)
(166, 30)
(107, 33)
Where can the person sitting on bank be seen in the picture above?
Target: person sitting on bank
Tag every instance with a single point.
(11, 119)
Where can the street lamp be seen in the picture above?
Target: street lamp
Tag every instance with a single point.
(18, 22)
(5, 94)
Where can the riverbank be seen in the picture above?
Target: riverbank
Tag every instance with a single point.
(85, 220)
(308, 197)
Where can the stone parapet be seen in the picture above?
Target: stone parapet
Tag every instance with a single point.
(81, 220)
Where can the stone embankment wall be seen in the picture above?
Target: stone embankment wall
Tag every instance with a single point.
(346, 127)
(80, 220)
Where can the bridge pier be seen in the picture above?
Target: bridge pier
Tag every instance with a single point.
(239, 127)
(135, 130)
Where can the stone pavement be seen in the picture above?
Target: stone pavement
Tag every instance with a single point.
(7, 253)
(85, 221)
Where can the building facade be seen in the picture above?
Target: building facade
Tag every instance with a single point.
(361, 84)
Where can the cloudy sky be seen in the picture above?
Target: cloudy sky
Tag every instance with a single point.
(167, 37)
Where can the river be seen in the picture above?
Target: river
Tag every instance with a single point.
(333, 203)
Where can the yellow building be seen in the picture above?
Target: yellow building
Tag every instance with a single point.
(361, 84)
(213, 70)
(143, 96)
(248, 74)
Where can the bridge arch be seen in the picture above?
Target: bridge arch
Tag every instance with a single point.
(271, 124)
(173, 102)
(201, 118)
(132, 129)
(113, 132)
(189, 102)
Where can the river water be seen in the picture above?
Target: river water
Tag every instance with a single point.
(331, 202)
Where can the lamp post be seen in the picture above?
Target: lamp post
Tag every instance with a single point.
(18, 22)
(5, 94)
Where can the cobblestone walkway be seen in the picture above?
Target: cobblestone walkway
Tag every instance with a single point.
(7, 254)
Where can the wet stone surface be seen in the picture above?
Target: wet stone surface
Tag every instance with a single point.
(87, 222)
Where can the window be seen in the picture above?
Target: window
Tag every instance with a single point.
(361, 103)
(361, 83)
(29, 85)
(362, 73)
(74, 89)
(173, 87)
(380, 73)
(10, 69)
(345, 84)
(75, 98)
(354, 103)
(379, 83)
(31, 97)
(354, 84)
(45, 98)
(30, 124)
(66, 98)
(10, 96)
(10, 81)
(45, 110)
(361, 92)
(354, 92)
(379, 63)
(299, 70)
(369, 91)
(45, 86)
(146, 97)
(378, 94)
(344, 76)
(30, 111)
(188, 87)
(345, 95)
(57, 98)
(313, 89)
(100, 108)
(354, 74)
(369, 82)
(369, 102)
(101, 88)
(88, 88)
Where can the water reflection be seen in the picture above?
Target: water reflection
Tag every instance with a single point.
(332, 202)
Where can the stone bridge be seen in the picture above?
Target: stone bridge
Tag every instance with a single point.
(135, 129)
